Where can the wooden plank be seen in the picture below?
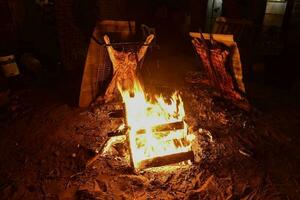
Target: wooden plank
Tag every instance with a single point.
(159, 128)
(117, 113)
(223, 37)
(118, 132)
(168, 127)
(164, 127)
(166, 160)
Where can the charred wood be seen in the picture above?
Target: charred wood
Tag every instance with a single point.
(118, 132)
(117, 114)
(166, 160)
(164, 127)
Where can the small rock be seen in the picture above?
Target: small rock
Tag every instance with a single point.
(96, 111)
(96, 187)
(90, 190)
(57, 153)
(101, 185)
(4, 98)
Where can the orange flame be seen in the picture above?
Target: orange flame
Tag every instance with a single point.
(141, 114)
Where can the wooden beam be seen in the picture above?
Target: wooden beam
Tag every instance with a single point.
(166, 160)
(117, 114)
(164, 127)
(118, 132)
(222, 37)
(168, 127)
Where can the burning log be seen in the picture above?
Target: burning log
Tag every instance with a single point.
(168, 127)
(124, 67)
(164, 127)
(159, 128)
(155, 132)
(118, 132)
(166, 160)
(117, 114)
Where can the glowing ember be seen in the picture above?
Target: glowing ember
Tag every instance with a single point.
(147, 119)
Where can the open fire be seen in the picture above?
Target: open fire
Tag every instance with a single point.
(155, 129)
(157, 133)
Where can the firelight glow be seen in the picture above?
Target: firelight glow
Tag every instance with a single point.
(143, 114)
